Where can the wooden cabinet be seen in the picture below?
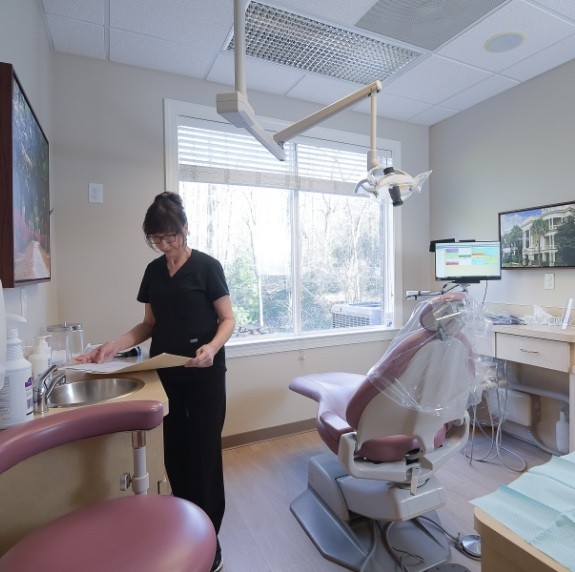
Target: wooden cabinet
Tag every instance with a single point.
(548, 347)
(551, 354)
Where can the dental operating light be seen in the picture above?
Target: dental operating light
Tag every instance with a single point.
(235, 108)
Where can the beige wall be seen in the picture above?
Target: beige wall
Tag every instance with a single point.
(513, 151)
(23, 43)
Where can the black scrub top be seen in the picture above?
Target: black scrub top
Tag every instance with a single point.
(183, 304)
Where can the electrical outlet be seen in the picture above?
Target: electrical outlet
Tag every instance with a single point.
(95, 193)
(549, 281)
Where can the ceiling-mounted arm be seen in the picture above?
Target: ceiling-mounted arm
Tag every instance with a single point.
(234, 106)
(320, 116)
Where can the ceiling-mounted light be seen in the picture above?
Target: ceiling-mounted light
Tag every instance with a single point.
(399, 184)
(380, 178)
(504, 42)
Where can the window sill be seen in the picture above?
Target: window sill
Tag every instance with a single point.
(270, 345)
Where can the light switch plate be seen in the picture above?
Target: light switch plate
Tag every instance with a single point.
(95, 193)
(549, 281)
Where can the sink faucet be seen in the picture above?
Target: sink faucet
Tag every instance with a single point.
(43, 386)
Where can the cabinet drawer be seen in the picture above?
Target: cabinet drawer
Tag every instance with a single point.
(533, 351)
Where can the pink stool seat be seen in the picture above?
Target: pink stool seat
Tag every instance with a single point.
(145, 533)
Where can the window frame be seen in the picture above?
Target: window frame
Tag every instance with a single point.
(241, 347)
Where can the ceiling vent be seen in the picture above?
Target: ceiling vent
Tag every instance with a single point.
(286, 38)
(426, 24)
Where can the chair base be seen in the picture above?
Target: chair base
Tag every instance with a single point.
(347, 539)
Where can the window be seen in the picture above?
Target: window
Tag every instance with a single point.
(303, 256)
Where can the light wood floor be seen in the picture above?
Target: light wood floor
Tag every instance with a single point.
(259, 533)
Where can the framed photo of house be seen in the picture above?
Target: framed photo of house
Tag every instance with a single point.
(538, 237)
(24, 188)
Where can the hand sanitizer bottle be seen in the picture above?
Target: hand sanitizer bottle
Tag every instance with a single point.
(16, 396)
(40, 358)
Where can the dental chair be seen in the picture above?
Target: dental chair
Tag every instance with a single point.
(139, 532)
(370, 504)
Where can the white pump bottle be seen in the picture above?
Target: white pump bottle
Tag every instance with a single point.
(40, 358)
(16, 396)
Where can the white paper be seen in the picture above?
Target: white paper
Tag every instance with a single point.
(120, 366)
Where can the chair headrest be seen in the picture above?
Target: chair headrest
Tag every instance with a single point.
(443, 313)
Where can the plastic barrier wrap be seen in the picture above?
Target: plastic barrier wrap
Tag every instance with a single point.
(444, 338)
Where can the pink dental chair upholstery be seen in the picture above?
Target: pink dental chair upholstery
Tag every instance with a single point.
(152, 533)
(391, 431)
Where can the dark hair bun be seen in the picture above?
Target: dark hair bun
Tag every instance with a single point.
(174, 197)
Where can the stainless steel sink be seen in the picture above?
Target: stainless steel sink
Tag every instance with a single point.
(88, 391)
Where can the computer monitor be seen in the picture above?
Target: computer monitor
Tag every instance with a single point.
(468, 262)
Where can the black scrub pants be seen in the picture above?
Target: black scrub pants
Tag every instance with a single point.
(193, 437)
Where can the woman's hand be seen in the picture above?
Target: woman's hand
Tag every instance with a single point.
(204, 357)
(101, 354)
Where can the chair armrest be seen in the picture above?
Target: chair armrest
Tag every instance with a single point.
(334, 424)
(32, 437)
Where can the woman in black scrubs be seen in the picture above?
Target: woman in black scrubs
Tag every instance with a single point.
(187, 312)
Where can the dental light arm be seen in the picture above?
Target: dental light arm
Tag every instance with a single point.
(235, 108)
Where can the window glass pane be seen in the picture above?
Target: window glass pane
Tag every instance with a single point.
(301, 253)
(341, 274)
(248, 230)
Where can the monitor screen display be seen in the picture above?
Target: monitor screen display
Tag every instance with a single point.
(468, 262)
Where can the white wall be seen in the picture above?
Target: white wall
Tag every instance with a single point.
(24, 44)
(514, 151)
(108, 128)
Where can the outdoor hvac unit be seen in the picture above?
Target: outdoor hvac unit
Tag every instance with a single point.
(354, 315)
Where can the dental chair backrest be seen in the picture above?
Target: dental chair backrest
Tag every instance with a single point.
(422, 383)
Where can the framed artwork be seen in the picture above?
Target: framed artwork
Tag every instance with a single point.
(24, 188)
(538, 237)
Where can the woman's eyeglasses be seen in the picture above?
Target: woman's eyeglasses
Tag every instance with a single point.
(158, 238)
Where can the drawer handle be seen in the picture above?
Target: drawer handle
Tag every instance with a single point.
(528, 351)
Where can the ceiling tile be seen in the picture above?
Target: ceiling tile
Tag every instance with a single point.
(432, 116)
(346, 13)
(400, 108)
(558, 54)
(84, 10)
(202, 24)
(541, 29)
(75, 37)
(564, 7)
(157, 54)
(260, 75)
(321, 89)
(435, 79)
(479, 92)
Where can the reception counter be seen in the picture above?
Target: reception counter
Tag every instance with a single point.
(77, 474)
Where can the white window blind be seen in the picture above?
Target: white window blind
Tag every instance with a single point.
(209, 156)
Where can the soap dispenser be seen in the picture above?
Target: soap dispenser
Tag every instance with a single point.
(16, 395)
(40, 358)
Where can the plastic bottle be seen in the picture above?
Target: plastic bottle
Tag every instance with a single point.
(40, 357)
(562, 432)
(16, 396)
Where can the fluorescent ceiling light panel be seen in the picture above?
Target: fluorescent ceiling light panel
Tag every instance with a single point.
(286, 38)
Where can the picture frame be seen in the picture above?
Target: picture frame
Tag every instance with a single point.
(538, 237)
(24, 187)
